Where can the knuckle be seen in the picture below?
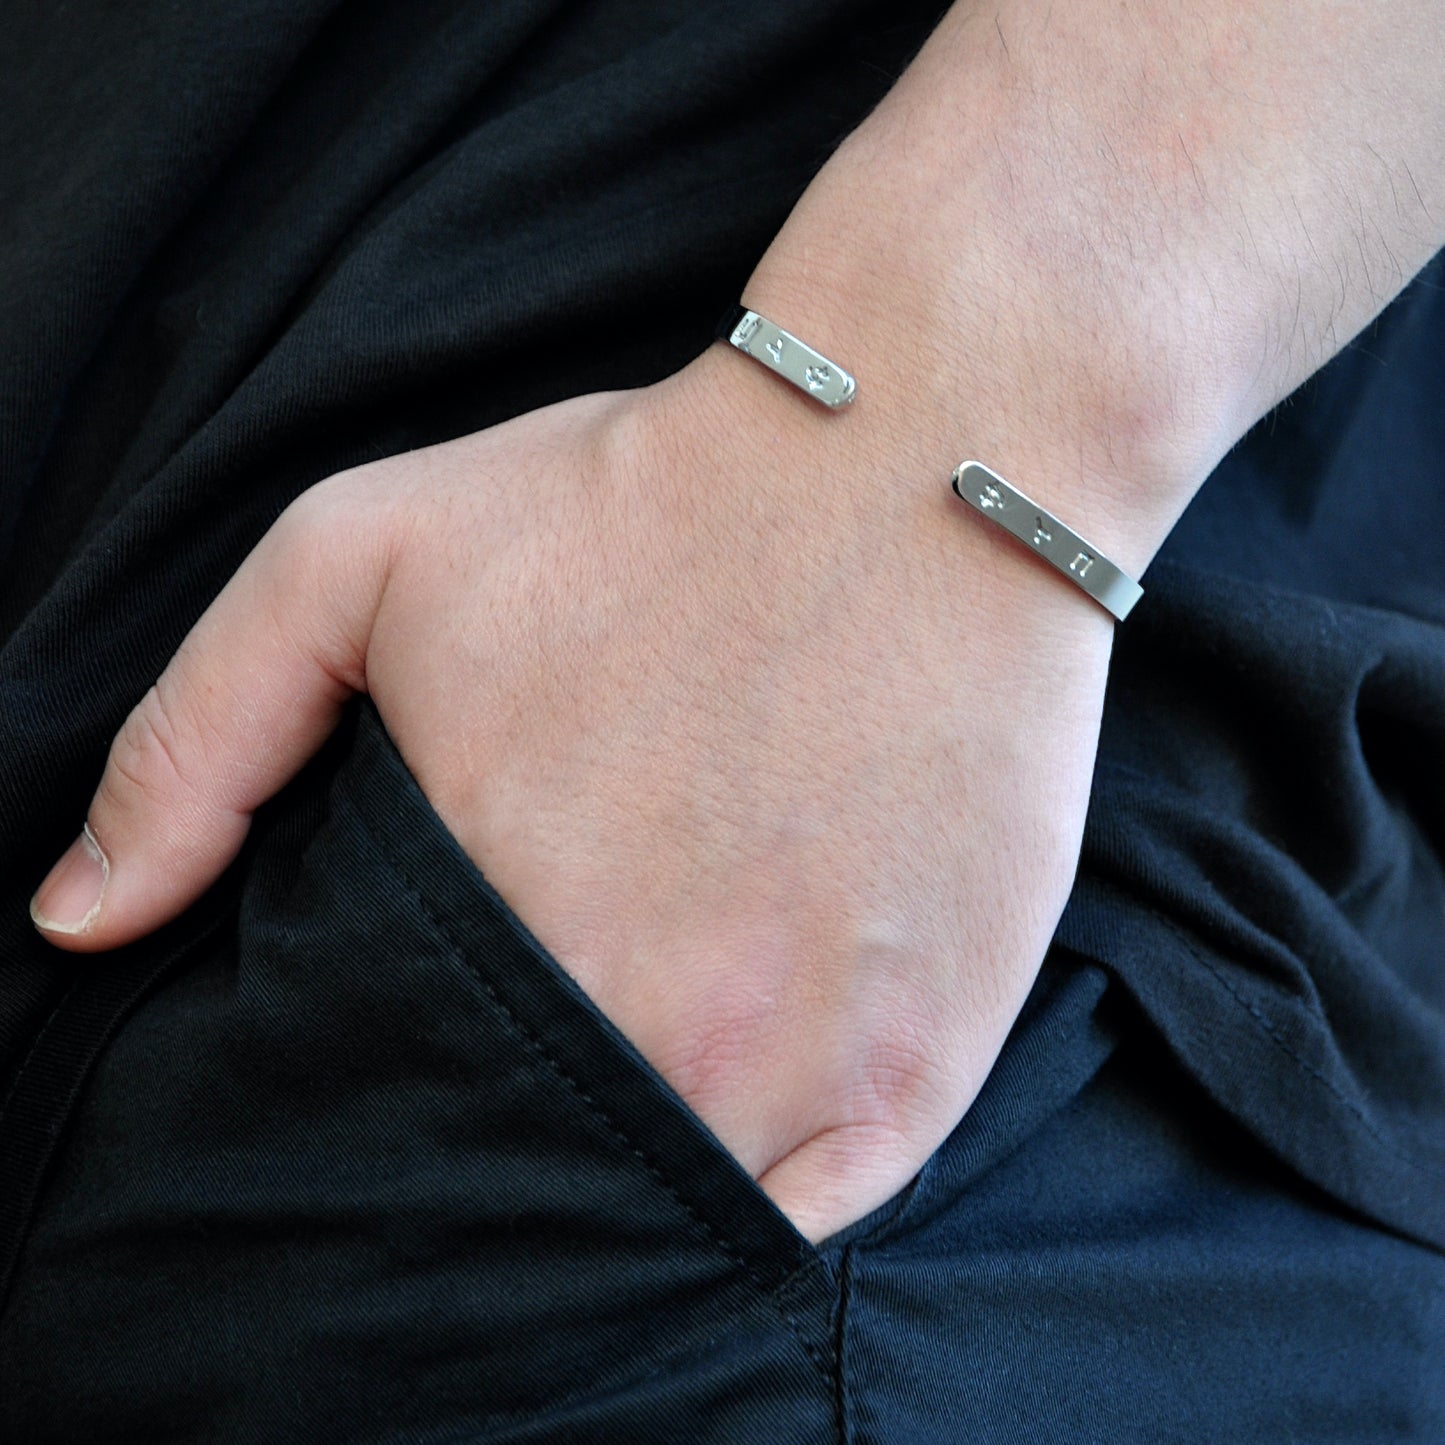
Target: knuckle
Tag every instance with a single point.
(146, 759)
(300, 532)
(334, 534)
(365, 497)
(903, 1075)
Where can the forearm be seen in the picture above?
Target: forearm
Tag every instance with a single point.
(1091, 244)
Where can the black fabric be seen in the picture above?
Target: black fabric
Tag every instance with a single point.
(342, 1155)
(53, 1071)
(1263, 862)
(386, 1104)
(374, 1169)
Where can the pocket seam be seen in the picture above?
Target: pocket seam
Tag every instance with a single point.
(538, 1049)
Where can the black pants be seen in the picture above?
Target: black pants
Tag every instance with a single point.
(343, 1154)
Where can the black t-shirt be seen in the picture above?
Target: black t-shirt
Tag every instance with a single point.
(246, 245)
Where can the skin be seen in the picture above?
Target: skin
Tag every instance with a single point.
(787, 760)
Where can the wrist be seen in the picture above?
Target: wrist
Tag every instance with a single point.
(950, 365)
(806, 490)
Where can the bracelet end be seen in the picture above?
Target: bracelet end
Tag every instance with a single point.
(795, 361)
(1043, 533)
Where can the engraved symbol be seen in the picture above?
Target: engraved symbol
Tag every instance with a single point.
(1041, 533)
(744, 333)
(817, 377)
(990, 496)
(1081, 564)
(774, 349)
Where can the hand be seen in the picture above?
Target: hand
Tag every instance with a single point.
(781, 752)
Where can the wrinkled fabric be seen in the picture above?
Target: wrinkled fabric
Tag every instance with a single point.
(343, 1153)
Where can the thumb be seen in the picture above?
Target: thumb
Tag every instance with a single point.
(254, 690)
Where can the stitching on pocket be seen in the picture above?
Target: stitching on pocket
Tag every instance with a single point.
(843, 1401)
(537, 1048)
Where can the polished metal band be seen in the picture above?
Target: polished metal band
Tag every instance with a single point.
(795, 361)
(1042, 532)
